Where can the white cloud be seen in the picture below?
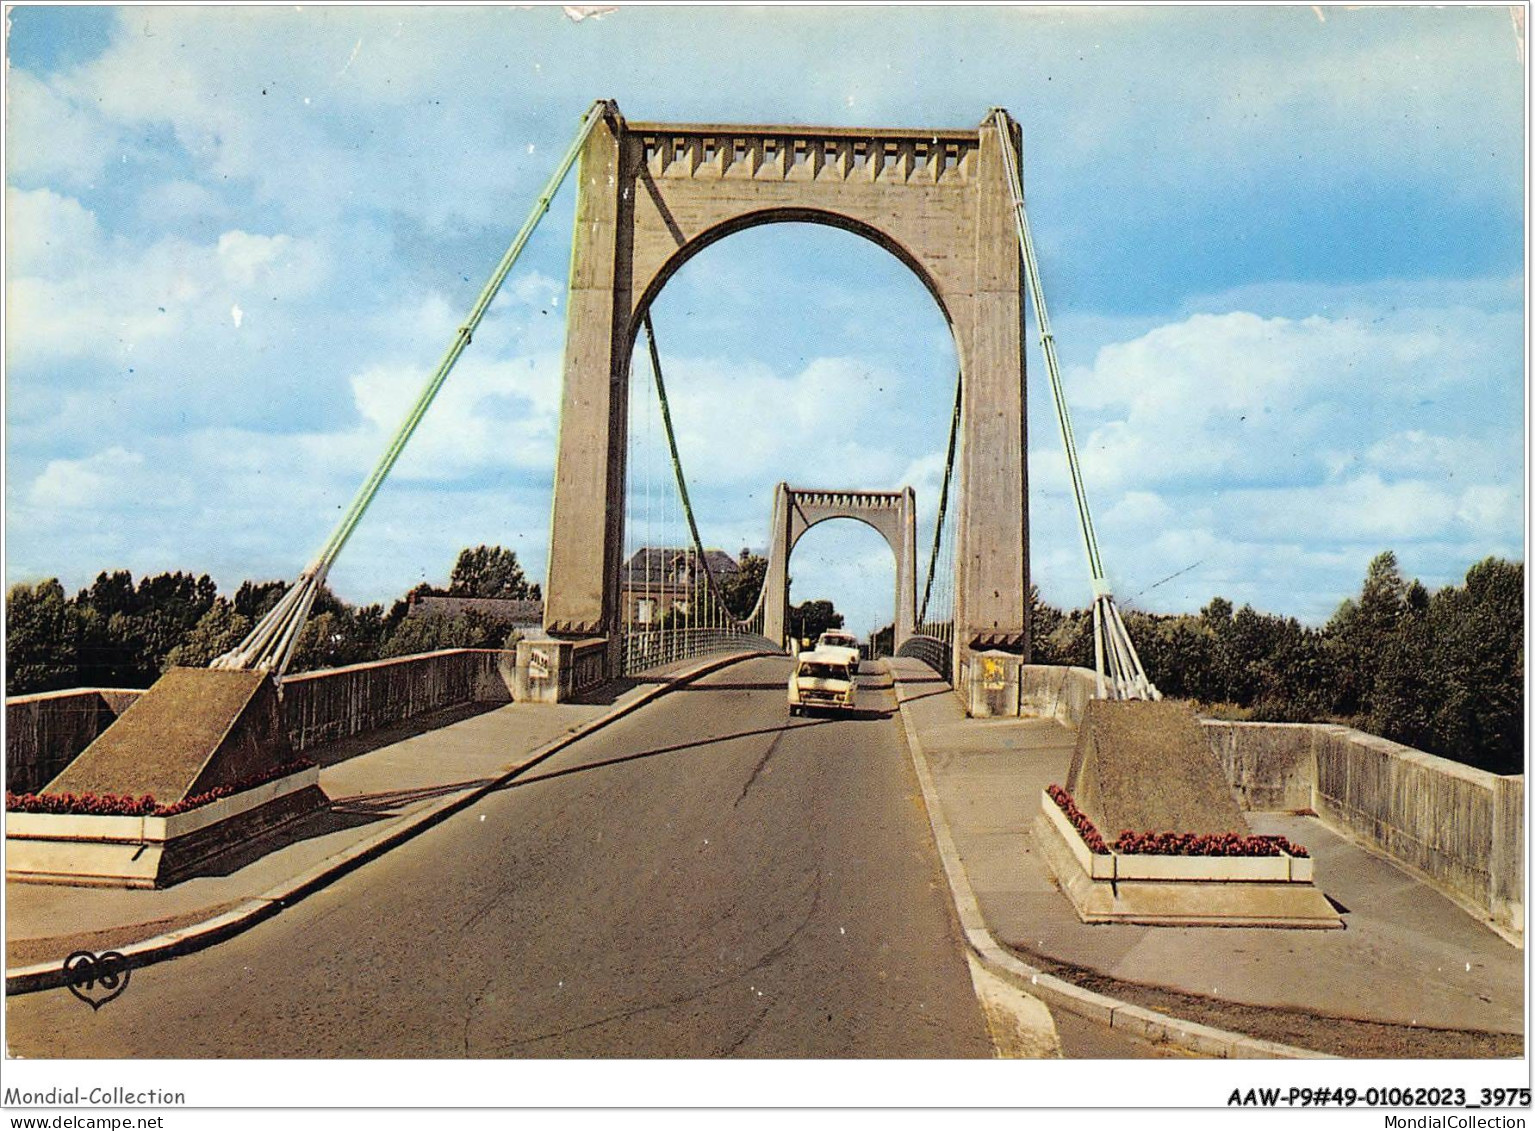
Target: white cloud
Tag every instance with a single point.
(72, 293)
(1418, 452)
(46, 234)
(740, 421)
(52, 135)
(1242, 397)
(100, 480)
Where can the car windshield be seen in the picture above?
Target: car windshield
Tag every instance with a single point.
(838, 640)
(822, 671)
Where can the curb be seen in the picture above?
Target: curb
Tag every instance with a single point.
(1147, 1024)
(274, 900)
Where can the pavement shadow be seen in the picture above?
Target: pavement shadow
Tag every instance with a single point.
(776, 685)
(944, 690)
(659, 750)
(858, 715)
(322, 822)
(388, 803)
(609, 693)
(343, 749)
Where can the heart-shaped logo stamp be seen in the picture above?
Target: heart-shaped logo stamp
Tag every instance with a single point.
(96, 978)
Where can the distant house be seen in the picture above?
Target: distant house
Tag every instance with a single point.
(657, 580)
(518, 614)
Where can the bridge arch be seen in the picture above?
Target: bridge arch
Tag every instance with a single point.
(892, 514)
(652, 195)
(650, 289)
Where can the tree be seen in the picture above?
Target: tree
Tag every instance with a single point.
(219, 630)
(337, 634)
(1478, 660)
(167, 608)
(436, 631)
(741, 589)
(1359, 632)
(490, 571)
(809, 620)
(39, 639)
(254, 599)
(1069, 643)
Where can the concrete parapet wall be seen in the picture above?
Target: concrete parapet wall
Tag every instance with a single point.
(1429, 813)
(1059, 693)
(1459, 828)
(1507, 863)
(324, 706)
(44, 732)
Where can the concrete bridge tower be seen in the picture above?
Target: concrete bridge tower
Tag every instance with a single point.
(653, 194)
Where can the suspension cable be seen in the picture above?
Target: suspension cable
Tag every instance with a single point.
(943, 496)
(271, 644)
(682, 485)
(1126, 675)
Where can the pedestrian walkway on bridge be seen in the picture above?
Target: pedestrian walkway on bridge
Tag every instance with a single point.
(1411, 975)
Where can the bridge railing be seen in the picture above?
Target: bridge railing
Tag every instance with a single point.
(644, 651)
(935, 653)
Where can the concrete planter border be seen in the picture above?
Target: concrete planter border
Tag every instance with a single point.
(1198, 869)
(136, 852)
(1214, 891)
(85, 826)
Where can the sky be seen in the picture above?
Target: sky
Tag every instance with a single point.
(1282, 249)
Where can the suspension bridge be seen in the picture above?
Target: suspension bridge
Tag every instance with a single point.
(705, 877)
(632, 584)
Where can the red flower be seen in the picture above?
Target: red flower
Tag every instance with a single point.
(124, 805)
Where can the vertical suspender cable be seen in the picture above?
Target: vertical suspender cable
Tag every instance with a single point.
(943, 497)
(671, 443)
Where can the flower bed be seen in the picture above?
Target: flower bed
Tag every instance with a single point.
(1079, 820)
(1130, 843)
(122, 805)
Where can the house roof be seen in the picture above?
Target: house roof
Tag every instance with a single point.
(659, 565)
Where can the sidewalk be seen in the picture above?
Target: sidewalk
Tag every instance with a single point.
(384, 787)
(1412, 975)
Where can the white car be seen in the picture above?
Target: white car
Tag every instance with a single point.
(838, 643)
(821, 680)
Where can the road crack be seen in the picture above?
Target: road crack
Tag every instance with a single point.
(771, 956)
(757, 769)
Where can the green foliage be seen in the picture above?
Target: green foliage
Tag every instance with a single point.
(1441, 671)
(808, 620)
(39, 639)
(490, 571)
(115, 633)
(740, 590)
(254, 599)
(124, 635)
(436, 631)
(1451, 679)
(218, 630)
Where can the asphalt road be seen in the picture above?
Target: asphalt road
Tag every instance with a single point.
(705, 878)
